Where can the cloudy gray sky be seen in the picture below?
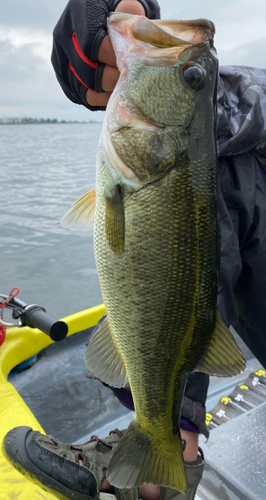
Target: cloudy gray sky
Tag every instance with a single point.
(28, 86)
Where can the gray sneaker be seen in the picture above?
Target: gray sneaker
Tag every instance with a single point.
(56, 466)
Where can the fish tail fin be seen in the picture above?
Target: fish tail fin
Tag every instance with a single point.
(138, 459)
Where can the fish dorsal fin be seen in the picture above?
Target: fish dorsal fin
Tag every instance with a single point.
(103, 358)
(81, 214)
(223, 358)
(114, 218)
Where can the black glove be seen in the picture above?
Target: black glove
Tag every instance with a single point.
(77, 39)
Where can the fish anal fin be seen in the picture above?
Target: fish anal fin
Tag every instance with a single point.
(138, 460)
(114, 218)
(80, 215)
(103, 358)
(223, 358)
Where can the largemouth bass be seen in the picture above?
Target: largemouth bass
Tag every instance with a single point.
(157, 238)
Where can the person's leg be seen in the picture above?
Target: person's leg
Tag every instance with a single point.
(190, 453)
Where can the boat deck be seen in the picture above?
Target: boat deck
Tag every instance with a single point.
(72, 408)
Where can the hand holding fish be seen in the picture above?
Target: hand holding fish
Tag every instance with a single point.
(107, 56)
(83, 56)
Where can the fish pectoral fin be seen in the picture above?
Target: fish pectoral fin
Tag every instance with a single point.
(139, 460)
(223, 358)
(103, 358)
(81, 214)
(114, 218)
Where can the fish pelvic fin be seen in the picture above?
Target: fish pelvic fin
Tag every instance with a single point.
(114, 219)
(102, 356)
(81, 214)
(223, 358)
(139, 460)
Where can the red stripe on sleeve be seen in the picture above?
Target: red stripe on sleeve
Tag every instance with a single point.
(79, 79)
(81, 54)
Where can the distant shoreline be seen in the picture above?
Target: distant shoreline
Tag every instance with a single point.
(42, 121)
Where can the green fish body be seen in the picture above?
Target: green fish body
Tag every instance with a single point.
(157, 239)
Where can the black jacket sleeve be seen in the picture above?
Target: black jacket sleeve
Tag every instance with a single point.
(76, 41)
(241, 111)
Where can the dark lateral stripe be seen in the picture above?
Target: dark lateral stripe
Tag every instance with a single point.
(79, 79)
(81, 53)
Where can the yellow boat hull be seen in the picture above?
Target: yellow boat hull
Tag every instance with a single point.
(22, 344)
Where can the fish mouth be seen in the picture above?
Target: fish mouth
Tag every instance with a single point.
(167, 34)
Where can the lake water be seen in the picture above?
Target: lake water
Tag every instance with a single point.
(44, 169)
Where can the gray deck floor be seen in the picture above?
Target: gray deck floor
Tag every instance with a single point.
(235, 467)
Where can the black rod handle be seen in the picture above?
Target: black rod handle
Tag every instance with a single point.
(36, 317)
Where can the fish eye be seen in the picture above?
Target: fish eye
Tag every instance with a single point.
(194, 75)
